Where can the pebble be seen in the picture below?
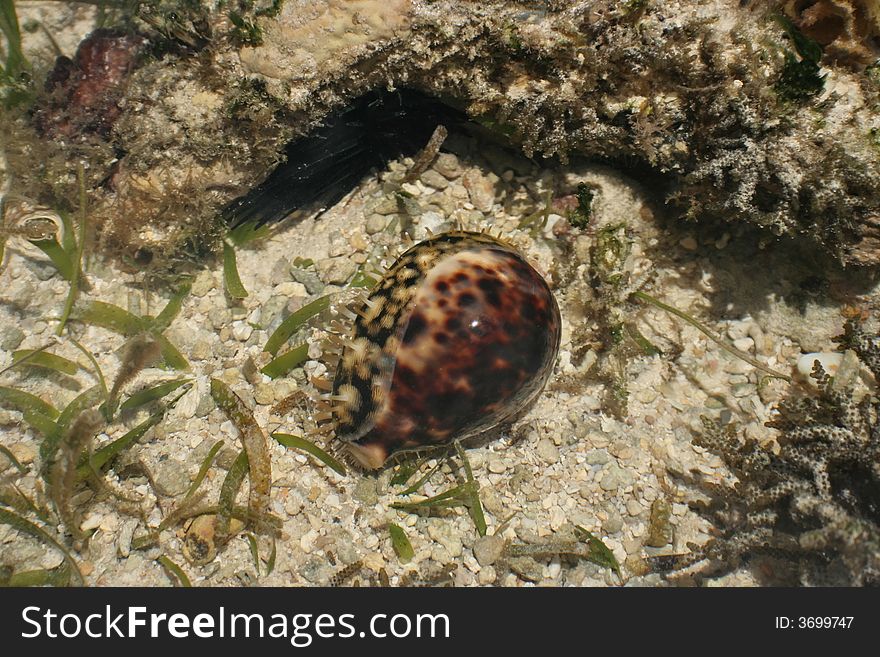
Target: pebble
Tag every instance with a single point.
(358, 242)
(339, 246)
(738, 330)
(496, 464)
(203, 283)
(284, 388)
(273, 309)
(744, 344)
(447, 165)
(598, 457)
(201, 350)
(410, 207)
(633, 507)
(458, 192)
(43, 270)
(609, 428)
(52, 559)
(445, 203)
(307, 540)
(491, 500)
(647, 395)
(184, 335)
(36, 328)
(741, 390)
(250, 371)
(547, 451)
(335, 271)
(434, 179)
(431, 221)
(185, 408)
(477, 459)
(366, 491)
(170, 477)
(481, 190)
(220, 318)
(386, 206)
(284, 291)
(527, 568)
(279, 272)
(373, 561)
(91, 521)
(264, 394)
(440, 554)
(411, 189)
(610, 478)
(134, 563)
(487, 576)
(488, 549)
(621, 450)
(206, 405)
(613, 524)
(241, 331)
(10, 337)
(632, 546)
(309, 279)
(375, 224)
(23, 452)
(688, 244)
(447, 536)
(346, 551)
(557, 518)
(316, 571)
(123, 539)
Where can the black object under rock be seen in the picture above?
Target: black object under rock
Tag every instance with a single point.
(325, 165)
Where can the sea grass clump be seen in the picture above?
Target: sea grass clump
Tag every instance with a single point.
(815, 501)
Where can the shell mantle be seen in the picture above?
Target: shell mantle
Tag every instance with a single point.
(458, 336)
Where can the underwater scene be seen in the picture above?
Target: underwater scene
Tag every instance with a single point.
(440, 293)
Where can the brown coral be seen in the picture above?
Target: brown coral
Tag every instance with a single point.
(816, 501)
(84, 92)
(848, 30)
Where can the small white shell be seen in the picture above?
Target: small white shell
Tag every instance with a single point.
(830, 362)
(24, 220)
